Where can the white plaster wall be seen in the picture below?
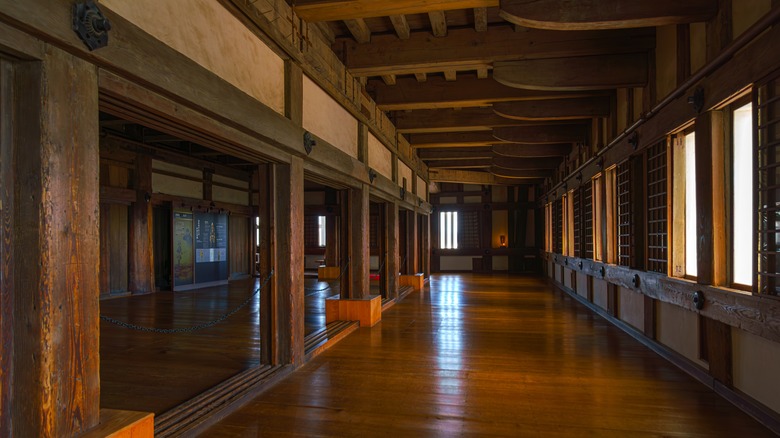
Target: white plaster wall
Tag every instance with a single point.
(233, 196)
(756, 367)
(422, 189)
(472, 199)
(455, 263)
(379, 157)
(631, 307)
(678, 329)
(404, 172)
(600, 293)
(210, 35)
(171, 185)
(327, 119)
(500, 263)
(582, 284)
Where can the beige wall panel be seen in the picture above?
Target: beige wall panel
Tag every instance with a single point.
(210, 35)
(665, 60)
(472, 199)
(179, 170)
(455, 263)
(498, 194)
(232, 196)
(422, 189)
(500, 263)
(500, 227)
(746, 12)
(379, 157)
(631, 307)
(313, 198)
(582, 284)
(324, 117)
(472, 188)
(756, 363)
(448, 200)
(698, 46)
(404, 172)
(170, 185)
(567, 278)
(230, 181)
(678, 329)
(600, 293)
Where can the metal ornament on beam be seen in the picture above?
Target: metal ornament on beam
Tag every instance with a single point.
(90, 24)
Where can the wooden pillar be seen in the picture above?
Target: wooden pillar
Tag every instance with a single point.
(711, 223)
(358, 243)
(411, 243)
(288, 261)
(265, 203)
(362, 143)
(56, 362)
(141, 247)
(393, 254)
(331, 241)
(426, 245)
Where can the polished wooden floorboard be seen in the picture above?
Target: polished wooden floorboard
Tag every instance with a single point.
(488, 356)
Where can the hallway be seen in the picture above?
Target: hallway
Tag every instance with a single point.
(479, 356)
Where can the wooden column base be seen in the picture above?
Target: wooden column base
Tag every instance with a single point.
(328, 272)
(417, 281)
(123, 424)
(366, 310)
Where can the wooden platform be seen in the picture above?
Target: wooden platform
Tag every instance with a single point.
(482, 356)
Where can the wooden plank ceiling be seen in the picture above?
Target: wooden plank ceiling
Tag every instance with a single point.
(497, 90)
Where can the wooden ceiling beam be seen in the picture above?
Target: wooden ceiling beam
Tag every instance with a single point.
(605, 14)
(401, 26)
(463, 49)
(359, 30)
(520, 174)
(335, 10)
(450, 75)
(542, 134)
(438, 23)
(468, 91)
(601, 72)
(527, 163)
(510, 150)
(389, 79)
(456, 153)
(482, 73)
(449, 120)
(480, 19)
(558, 109)
(452, 140)
(472, 177)
(420, 77)
(479, 163)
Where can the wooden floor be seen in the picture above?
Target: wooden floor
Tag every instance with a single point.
(488, 356)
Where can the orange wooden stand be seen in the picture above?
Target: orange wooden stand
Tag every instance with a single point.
(123, 424)
(327, 272)
(417, 281)
(366, 310)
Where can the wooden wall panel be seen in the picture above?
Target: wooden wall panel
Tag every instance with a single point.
(117, 248)
(7, 201)
(239, 255)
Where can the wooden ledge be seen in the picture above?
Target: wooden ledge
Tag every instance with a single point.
(320, 341)
(328, 272)
(123, 424)
(417, 281)
(367, 310)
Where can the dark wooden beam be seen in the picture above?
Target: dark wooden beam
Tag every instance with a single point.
(456, 153)
(526, 163)
(532, 150)
(599, 72)
(464, 49)
(479, 163)
(449, 120)
(452, 139)
(141, 258)
(393, 252)
(359, 30)
(401, 26)
(469, 91)
(358, 272)
(542, 134)
(557, 109)
(335, 10)
(611, 14)
(520, 174)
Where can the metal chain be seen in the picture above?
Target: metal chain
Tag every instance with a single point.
(381, 265)
(343, 270)
(190, 329)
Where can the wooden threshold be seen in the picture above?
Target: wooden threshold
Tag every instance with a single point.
(204, 410)
(387, 303)
(403, 291)
(742, 401)
(325, 338)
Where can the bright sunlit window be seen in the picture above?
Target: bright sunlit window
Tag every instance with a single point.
(691, 259)
(448, 229)
(321, 231)
(742, 242)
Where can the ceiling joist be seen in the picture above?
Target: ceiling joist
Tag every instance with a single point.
(558, 109)
(401, 26)
(599, 72)
(438, 23)
(480, 19)
(335, 10)
(605, 14)
(359, 29)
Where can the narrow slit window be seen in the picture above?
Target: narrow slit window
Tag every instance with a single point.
(742, 232)
(321, 227)
(691, 256)
(448, 226)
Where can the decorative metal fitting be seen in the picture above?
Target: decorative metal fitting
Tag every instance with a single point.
(371, 175)
(603, 272)
(697, 99)
(635, 280)
(600, 163)
(308, 142)
(578, 177)
(633, 140)
(90, 24)
(402, 193)
(580, 264)
(698, 300)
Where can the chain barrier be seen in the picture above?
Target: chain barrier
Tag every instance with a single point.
(343, 270)
(190, 329)
(381, 265)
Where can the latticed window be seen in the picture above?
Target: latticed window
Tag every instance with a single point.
(469, 229)
(657, 222)
(767, 104)
(558, 226)
(311, 232)
(577, 207)
(587, 221)
(623, 176)
(373, 231)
